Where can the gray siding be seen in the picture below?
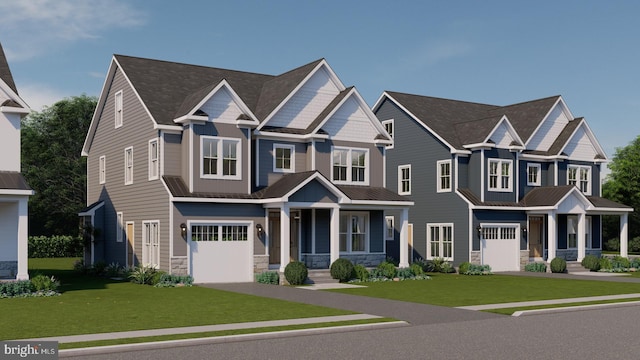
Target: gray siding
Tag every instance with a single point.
(172, 154)
(142, 200)
(313, 192)
(376, 163)
(266, 174)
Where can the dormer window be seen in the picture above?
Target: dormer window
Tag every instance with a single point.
(500, 175)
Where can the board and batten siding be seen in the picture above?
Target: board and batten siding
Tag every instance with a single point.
(414, 145)
(143, 199)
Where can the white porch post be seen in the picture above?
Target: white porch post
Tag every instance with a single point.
(23, 244)
(404, 238)
(581, 236)
(624, 235)
(285, 228)
(552, 236)
(334, 235)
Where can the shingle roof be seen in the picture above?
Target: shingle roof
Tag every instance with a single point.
(5, 72)
(606, 203)
(10, 180)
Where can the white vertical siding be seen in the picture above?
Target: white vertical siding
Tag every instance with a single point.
(549, 130)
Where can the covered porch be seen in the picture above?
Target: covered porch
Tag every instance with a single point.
(14, 237)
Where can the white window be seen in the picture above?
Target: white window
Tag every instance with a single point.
(354, 231)
(219, 232)
(579, 176)
(440, 241)
(404, 179)
(572, 232)
(118, 109)
(283, 158)
(500, 175)
(119, 227)
(388, 126)
(444, 175)
(497, 232)
(350, 166)
(154, 168)
(389, 229)
(102, 169)
(220, 158)
(533, 174)
(128, 166)
(151, 243)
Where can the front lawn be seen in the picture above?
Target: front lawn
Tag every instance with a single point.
(95, 305)
(463, 290)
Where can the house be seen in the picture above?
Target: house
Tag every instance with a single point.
(496, 185)
(223, 174)
(14, 190)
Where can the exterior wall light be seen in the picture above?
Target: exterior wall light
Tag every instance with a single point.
(259, 230)
(183, 229)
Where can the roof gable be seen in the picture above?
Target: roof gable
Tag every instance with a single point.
(504, 135)
(5, 72)
(550, 126)
(582, 144)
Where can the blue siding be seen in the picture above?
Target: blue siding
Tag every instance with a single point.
(497, 216)
(496, 195)
(376, 235)
(323, 229)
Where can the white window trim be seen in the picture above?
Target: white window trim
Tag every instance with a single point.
(119, 109)
(102, 170)
(219, 175)
(367, 232)
(128, 180)
(293, 157)
(392, 133)
(349, 180)
(248, 224)
(389, 220)
(154, 166)
(119, 226)
(538, 181)
(578, 169)
(440, 189)
(145, 243)
(400, 168)
(499, 182)
(441, 243)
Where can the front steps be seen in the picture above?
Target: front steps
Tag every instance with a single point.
(320, 276)
(574, 267)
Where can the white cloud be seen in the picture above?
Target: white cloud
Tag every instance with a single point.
(38, 95)
(33, 26)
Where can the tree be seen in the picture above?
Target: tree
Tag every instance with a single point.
(52, 164)
(623, 186)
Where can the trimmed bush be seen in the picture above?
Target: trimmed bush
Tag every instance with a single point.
(55, 246)
(612, 244)
(268, 277)
(404, 273)
(591, 262)
(169, 280)
(361, 272)
(44, 283)
(619, 262)
(416, 269)
(605, 264)
(536, 267)
(427, 266)
(464, 267)
(386, 269)
(558, 265)
(478, 270)
(296, 273)
(447, 268)
(342, 269)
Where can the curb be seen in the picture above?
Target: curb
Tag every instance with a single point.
(573, 308)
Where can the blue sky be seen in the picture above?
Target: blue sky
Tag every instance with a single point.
(495, 52)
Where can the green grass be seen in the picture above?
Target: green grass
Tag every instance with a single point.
(510, 311)
(462, 290)
(94, 305)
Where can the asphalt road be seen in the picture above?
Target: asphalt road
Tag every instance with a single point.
(609, 333)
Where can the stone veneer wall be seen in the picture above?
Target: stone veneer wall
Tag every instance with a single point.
(179, 265)
(8, 269)
(323, 261)
(524, 259)
(260, 263)
(475, 257)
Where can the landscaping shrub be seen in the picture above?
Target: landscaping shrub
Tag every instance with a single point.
(605, 263)
(427, 266)
(478, 270)
(143, 275)
(436, 264)
(416, 269)
(387, 270)
(391, 259)
(342, 269)
(268, 277)
(39, 285)
(635, 263)
(619, 262)
(98, 268)
(591, 262)
(55, 246)
(361, 272)
(15, 288)
(296, 273)
(447, 268)
(464, 267)
(536, 267)
(612, 244)
(634, 245)
(558, 265)
(44, 283)
(169, 280)
(404, 273)
(79, 267)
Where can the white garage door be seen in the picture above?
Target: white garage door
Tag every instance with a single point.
(221, 253)
(501, 247)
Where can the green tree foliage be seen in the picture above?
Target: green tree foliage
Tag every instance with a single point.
(52, 164)
(623, 186)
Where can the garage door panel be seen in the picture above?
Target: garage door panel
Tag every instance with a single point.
(221, 261)
(501, 248)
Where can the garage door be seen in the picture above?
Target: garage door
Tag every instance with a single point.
(221, 253)
(501, 247)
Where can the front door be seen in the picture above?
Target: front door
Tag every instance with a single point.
(130, 247)
(535, 236)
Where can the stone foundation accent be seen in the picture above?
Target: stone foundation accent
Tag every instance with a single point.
(567, 254)
(475, 257)
(179, 265)
(260, 263)
(595, 252)
(8, 269)
(524, 259)
(323, 261)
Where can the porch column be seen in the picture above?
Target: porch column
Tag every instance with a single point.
(334, 235)
(624, 235)
(23, 244)
(581, 236)
(552, 233)
(404, 238)
(285, 229)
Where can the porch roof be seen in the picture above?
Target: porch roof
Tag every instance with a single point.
(13, 180)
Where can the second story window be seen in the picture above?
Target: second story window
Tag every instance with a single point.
(118, 109)
(153, 160)
(533, 174)
(444, 175)
(350, 166)
(404, 179)
(128, 166)
(283, 158)
(220, 158)
(388, 125)
(102, 169)
(579, 176)
(500, 175)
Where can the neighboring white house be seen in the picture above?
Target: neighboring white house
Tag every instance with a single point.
(14, 190)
